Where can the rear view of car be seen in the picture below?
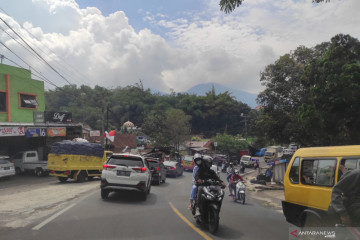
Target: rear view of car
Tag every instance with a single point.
(125, 172)
(188, 163)
(173, 168)
(7, 168)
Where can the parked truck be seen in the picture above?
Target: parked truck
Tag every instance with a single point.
(272, 153)
(76, 160)
(29, 161)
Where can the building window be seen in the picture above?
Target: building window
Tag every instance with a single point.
(28, 101)
(2, 101)
(320, 172)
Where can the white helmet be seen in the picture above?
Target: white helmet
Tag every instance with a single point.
(197, 159)
(236, 171)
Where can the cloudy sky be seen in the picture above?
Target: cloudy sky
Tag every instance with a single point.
(166, 44)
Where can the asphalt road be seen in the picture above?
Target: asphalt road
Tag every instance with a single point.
(164, 215)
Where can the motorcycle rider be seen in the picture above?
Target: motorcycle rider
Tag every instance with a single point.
(233, 180)
(345, 196)
(205, 173)
(194, 187)
(232, 171)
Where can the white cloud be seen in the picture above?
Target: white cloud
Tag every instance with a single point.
(210, 46)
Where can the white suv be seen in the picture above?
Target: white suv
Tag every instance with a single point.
(125, 171)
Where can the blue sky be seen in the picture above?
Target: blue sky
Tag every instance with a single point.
(168, 45)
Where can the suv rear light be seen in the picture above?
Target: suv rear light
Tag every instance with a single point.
(139, 169)
(108, 167)
(157, 169)
(172, 168)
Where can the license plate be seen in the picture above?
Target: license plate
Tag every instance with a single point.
(123, 173)
(6, 168)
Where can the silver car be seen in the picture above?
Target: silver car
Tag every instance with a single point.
(125, 172)
(7, 168)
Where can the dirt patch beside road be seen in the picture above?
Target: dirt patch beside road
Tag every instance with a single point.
(22, 205)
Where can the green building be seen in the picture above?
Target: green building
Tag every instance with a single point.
(20, 95)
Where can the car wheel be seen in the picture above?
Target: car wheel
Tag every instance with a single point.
(144, 196)
(39, 172)
(148, 190)
(104, 193)
(158, 180)
(164, 180)
(17, 171)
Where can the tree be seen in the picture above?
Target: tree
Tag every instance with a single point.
(227, 143)
(329, 110)
(311, 95)
(170, 128)
(229, 6)
(178, 128)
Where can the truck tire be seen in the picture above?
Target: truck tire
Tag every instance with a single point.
(81, 177)
(62, 179)
(39, 172)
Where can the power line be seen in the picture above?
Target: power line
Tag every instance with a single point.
(61, 64)
(44, 78)
(34, 50)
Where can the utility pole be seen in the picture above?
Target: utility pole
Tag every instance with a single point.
(244, 116)
(107, 124)
(2, 58)
(102, 126)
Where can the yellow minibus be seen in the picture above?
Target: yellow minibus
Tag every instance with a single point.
(308, 182)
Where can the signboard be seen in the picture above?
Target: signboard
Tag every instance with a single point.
(56, 132)
(58, 117)
(95, 133)
(38, 117)
(12, 131)
(35, 132)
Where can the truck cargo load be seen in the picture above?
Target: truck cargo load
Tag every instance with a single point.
(76, 160)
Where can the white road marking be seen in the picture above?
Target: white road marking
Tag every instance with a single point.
(46, 221)
(37, 227)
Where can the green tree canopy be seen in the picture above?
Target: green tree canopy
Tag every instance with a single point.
(229, 6)
(311, 95)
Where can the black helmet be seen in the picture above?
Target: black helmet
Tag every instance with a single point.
(207, 161)
(197, 159)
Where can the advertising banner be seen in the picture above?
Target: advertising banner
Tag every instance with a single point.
(56, 132)
(35, 132)
(58, 116)
(12, 131)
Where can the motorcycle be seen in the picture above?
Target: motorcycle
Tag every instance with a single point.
(210, 205)
(239, 192)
